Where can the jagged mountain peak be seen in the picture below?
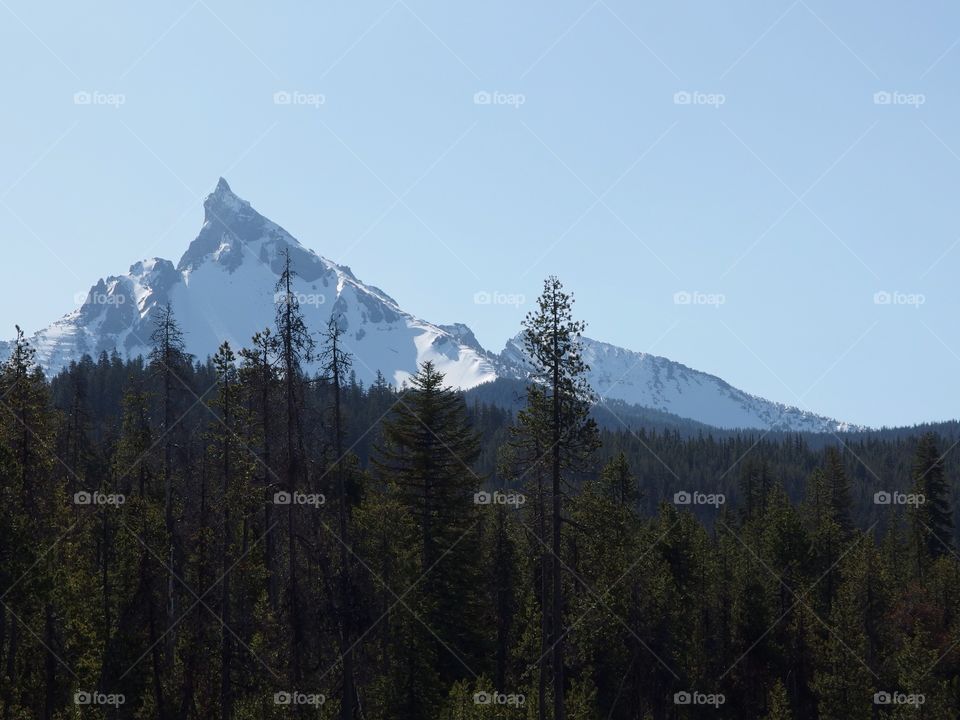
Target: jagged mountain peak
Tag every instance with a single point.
(223, 199)
(232, 229)
(223, 289)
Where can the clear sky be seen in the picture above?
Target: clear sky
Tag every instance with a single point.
(777, 188)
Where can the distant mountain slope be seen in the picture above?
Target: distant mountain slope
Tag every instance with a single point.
(655, 382)
(510, 393)
(223, 289)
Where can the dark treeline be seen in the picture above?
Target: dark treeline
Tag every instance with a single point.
(238, 538)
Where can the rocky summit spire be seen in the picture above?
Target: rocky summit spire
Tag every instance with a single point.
(222, 205)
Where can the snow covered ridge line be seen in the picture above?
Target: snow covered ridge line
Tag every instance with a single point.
(662, 384)
(222, 289)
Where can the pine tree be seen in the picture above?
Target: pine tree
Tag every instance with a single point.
(838, 490)
(779, 703)
(336, 363)
(296, 347)
(232, 463)
(168, 360)
(618, 482)
(551, 339)
(132, 577)
(843, 681)
(526, 458)
(258, 376)
(755, 485)
(932, 519)
(31, 521)
(427, 453)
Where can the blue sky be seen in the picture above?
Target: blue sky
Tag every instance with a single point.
(777, 189)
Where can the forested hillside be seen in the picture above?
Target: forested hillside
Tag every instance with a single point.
(229, 537)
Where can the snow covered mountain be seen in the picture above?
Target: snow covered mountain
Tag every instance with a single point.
(662, 384)
(223, 289)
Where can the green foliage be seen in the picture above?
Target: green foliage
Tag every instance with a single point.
(202, 596)
(931, 519)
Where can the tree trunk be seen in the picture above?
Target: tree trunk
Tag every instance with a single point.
(557, 620)
(346, 610)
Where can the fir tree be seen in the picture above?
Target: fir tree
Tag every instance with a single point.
(336, 363)
(295, 347)
(838, 490)
(551, 339)
(427, 453)
(932, 519)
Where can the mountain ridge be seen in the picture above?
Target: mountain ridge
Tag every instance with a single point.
(222, 288)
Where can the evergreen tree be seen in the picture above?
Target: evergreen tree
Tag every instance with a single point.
(551, 339)
(258, 377)
(427, 454)
(838, 490)
(33, 518)
(168, 360)
(296, 347)
(231, 461)
(755, 486)
(526, 458)
(779, 703)
(336, 363)
(932, 519)
(618, 482)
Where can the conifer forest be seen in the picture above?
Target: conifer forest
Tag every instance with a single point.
(258, 534)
